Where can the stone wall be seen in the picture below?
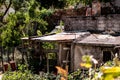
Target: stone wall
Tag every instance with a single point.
(117, 3)
(95, 51)
(110, 22)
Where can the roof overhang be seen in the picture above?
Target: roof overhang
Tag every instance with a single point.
(60, 37)
(100, 40)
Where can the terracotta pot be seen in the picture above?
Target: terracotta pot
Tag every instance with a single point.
(12, 65)
(5, 66)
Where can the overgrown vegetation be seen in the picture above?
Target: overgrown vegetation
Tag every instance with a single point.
(21, 18)
(85, 2)
(28, 19)
(22, 74)
(109, 71)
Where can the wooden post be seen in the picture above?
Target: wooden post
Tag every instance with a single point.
(72, 57)
(2, 55)
(66, 67)
(118, 53)
(13, 49)
(47, 63)
(2, 51)
(60, 54)
(8, 54)
(22, 52)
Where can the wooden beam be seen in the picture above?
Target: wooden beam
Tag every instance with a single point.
(72, 57)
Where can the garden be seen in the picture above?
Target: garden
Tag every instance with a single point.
(21, 19)
(109, 71)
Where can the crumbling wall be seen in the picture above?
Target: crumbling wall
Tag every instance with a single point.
(58, 15)
(95, 51)
(103, 23)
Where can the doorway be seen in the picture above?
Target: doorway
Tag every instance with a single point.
(107, 56)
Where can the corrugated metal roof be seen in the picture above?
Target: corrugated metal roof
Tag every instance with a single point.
(61, 36)
(100, 40)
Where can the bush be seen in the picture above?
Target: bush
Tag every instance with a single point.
(109, 71)
(27, 75)
(24, 74)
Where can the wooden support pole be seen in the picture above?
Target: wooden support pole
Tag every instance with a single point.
(8, 55)
(47, 63)
(60, 54)
(13, 49)
(2, 56)
(22, 52)
(119, 53)
(66, 67)
(2, 51)
(72, 57)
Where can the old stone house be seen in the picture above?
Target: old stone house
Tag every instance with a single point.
(86, 35)
(97, 36)
(103, 42)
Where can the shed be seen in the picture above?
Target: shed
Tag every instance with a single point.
(102, 47)
(65, 46)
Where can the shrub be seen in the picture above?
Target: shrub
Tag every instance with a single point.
(22, 74)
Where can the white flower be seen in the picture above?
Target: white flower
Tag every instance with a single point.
(94, 60)
(99, 75)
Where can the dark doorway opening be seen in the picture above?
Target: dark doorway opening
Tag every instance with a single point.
(107, 56)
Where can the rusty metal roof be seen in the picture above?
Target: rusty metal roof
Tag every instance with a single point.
(68, 37)
(100, 40)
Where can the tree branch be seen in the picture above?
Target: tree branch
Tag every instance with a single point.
(6, 11)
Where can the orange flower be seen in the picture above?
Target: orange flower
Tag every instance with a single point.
(62, 72)
(62, 78)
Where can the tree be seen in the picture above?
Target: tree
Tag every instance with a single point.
(52, 3)
(25, 21)
(86, 2)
